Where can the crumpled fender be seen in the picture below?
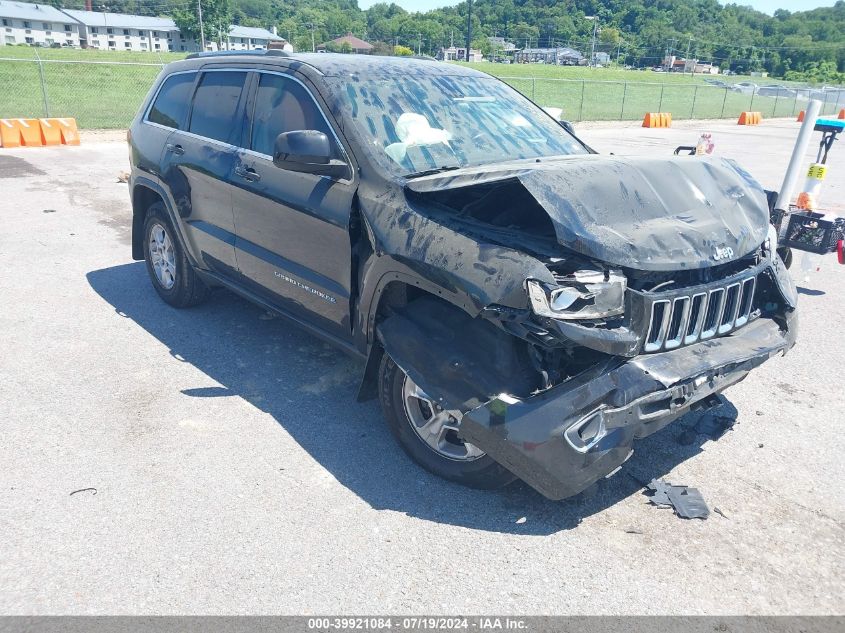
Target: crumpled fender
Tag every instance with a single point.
(458, 360)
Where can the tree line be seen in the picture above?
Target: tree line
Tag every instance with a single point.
(806, 45)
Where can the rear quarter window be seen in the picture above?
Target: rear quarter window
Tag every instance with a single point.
(172, 101)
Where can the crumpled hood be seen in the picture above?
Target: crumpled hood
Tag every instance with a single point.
(641, 213)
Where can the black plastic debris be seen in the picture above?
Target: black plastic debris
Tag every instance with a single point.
(687, 502)
(714, 426)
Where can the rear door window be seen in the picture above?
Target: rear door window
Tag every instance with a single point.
(284, 105)
(172, 101)
(216, 105)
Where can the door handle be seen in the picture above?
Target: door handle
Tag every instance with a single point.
(176, 149)
(247, 173)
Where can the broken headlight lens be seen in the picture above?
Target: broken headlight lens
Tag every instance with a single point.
(584, 294)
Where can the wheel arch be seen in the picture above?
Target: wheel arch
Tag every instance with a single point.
(393, 291)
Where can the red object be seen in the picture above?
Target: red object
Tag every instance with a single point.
(840, 251)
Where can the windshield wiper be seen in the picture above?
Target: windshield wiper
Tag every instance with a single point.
(429, 172)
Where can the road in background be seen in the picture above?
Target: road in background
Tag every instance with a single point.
(225, 467)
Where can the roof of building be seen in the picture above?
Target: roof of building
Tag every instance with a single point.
(122, 20)
(28, 11)
(563, 51)
(252, 32)
(355, 42)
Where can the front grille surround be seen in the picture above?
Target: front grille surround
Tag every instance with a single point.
(686, 316)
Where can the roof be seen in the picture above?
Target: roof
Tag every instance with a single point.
(252, 32)
(355, 42)
(122, 20)
(27, 11)
(340, 65)
(563, 51)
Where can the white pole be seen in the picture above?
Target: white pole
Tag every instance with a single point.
(796, 163)
(202, 30)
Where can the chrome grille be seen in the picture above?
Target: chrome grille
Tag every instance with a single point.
(685, 319)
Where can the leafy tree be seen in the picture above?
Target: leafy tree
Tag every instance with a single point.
(216, 18)
(402, 51)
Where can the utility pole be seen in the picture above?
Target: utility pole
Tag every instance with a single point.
(595, 20)
(419, 43)
(313, 47)
(202, 30)
(469, 26)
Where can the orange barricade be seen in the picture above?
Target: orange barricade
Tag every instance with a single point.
(657, 119)
(749, 118)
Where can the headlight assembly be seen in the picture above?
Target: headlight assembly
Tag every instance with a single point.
(584, 294)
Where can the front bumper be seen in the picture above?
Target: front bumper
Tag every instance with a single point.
(566, 438)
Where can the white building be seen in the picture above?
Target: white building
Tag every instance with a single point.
(36, 25)
(123, 32)
(250, 38)
(459, 53)
(43, 25)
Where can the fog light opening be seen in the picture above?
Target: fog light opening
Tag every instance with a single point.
(586, 432)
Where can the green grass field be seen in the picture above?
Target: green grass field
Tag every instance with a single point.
(103, 89)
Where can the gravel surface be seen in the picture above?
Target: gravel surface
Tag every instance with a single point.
(223, 466)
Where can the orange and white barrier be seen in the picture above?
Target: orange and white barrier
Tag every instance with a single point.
(657, 119)
(749, 118)
(38, 132)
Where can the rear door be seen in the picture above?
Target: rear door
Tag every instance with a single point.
(168, 111)
(198, 164)
(293, 244)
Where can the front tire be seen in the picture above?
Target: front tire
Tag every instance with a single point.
(173, 277)
(428, 433)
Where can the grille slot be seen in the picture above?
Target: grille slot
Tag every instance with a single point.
(685, 319)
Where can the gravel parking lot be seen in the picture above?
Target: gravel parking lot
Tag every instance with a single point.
(225, 466)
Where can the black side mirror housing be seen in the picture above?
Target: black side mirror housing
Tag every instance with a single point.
(566, 125)
(309, 152)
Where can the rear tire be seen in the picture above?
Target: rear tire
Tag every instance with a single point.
(456, 461)
(173, 277)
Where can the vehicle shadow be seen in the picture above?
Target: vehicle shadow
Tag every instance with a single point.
(309, 389)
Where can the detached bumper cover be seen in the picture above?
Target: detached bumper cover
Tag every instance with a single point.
(564, 439)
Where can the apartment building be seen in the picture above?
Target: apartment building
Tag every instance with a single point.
(124, 32)
(36, 25)
(43, 25)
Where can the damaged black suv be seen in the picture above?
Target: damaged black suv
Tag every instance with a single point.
(525, 307)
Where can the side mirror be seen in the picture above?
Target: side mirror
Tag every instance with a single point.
(566, 125)
(308, 152)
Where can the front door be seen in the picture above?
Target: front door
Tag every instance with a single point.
(293, 243)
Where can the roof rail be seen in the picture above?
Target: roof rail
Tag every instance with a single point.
(270, 52)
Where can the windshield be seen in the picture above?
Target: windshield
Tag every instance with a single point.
(411, 125)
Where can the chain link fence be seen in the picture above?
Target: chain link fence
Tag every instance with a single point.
(99, 95)
(107, 94)
(591, 100)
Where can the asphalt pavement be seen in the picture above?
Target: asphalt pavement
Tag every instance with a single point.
(214, 460)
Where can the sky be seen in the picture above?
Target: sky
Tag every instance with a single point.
(766, 6)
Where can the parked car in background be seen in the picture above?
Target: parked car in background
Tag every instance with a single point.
(778, 91)
(745, 87)
(478, 257)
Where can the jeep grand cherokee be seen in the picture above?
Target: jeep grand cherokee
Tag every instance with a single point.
(525, 307)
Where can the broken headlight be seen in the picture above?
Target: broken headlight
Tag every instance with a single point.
(584, 294)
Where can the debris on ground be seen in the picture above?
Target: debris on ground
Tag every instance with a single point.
(687, 502)
(715, 426)
(93, 491)
(719, 512)
(632, 531)
(123, 176)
